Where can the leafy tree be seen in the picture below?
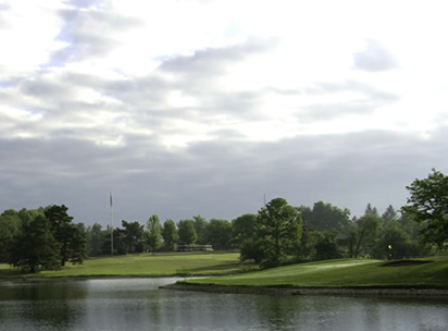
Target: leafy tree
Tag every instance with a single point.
(120, 247)
(35, 248)
(200, 225)
(219, 233)
(322, 244)
(187, 232)
(428, 205)
(71, 238)
(133, 236)
(395, 243)
(280, 230)
(364, 235)
(10, 226)
(95, 240)
(153, 234)
(170, 235)
(325, 216)
(253, 249)
(243, 228)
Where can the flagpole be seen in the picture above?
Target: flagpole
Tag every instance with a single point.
(112, 226)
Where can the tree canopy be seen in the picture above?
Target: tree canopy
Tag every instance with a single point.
(278, 232)
(428, 204)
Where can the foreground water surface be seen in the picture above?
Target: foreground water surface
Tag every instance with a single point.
(139, 304)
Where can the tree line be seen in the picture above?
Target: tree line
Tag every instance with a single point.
(278, 234)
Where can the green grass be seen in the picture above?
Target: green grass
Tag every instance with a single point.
(200, 263)
(342, 273)
(332, 273)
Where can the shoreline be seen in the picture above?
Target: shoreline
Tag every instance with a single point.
(389, 292)
(305, 291)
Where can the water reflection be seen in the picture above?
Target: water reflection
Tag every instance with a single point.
(138, 304)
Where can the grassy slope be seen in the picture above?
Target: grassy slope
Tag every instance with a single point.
(342, 273)
(142, 265)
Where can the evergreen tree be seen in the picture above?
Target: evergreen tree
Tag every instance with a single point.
(35, 248)
(71, 238)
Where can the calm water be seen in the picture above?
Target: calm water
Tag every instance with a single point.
(138, 304)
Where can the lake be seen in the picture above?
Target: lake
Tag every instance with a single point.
(139, 304)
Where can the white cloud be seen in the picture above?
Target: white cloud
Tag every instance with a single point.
(28, 35)
(220, 98)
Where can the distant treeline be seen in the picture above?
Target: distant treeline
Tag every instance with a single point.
(322, 231)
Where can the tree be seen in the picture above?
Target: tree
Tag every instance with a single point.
(153, 234)
(133, 236)
(200, 225)
(219, 233)
(187, 232)
(325, 216)
(428, 205)
(35, 248)
(170, 235)
(71, 238)
(370, 210)
(389, 215)
(394, 243)
(95, 240)
(243, 228)
(322, 244)
(120, 247)
(10, 226)
(280, 230)
(364, 235)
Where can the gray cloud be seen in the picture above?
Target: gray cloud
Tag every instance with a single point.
(213, 60)
(90, 33)
(223, 178)
(370, 98)
(374, 58)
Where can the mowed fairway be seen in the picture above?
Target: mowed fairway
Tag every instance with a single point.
(207, 263)
(343, 273)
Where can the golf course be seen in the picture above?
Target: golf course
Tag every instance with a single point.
(225, 270)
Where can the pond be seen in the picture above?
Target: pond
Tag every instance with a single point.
(139, 304)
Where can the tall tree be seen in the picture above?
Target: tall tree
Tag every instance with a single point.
(370, 210)
(71, 238)
(187, 232)
(170, 235)
(390, 215)
(133, 236)
(280, 230)
(35, 248)
(364, 236)
(428, 205)
(10, 226)
(153, 234)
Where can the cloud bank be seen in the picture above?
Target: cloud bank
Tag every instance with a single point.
(205, 107)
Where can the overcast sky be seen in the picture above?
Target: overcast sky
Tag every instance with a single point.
(207, 107)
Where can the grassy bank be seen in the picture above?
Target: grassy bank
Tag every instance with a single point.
(144, 265)
(346, 273)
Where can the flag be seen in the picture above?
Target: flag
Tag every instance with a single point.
(111, 199)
